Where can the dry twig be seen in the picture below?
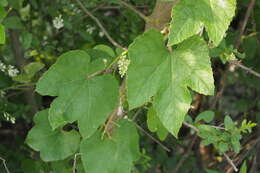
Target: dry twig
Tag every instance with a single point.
(99, 24)
(134, 9)
(244, 23)
(5, 166)
(249, 70)
(239, 39)
(151, 137)
(185, 156)
(231, 162)
(191, 126)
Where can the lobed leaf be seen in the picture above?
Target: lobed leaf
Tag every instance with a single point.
(88, 101)
(111, 155)
(189, 17)
(156, 72)
(52, 145)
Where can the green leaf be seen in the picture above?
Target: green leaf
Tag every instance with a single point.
(13, 22)
(114, 155)
(154, 71)
(222, 147)
(206, 116)
(211, 171)
(3, 3)
(229, 124)
(52, 145)
(235, 142)
(243, 169)
(33, 68)
(106, 49)
(207, 131)
(154, 124)
(3, 13)
(29, 72)
(16, 3)
(99, 59)
(61, 166)
(184, 22)
(88, 101)
(32, 166)
(145, 76)
(188, 17)
(26, 39)
(2, 34)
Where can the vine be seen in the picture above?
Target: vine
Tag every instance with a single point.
(98, 93)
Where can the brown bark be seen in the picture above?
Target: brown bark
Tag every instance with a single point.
(161, 15)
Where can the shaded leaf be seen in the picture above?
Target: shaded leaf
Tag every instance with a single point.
(116, 155)
(13, 22)
(154, 124)
(206, 116)
(52, 145)
(29, 72)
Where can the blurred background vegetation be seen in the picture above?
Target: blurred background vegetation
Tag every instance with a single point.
(37, 32)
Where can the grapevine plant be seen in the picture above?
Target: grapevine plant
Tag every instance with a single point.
(98, 92)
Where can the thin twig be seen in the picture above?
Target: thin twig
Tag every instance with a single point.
(191, 126)
(151, 137)
(239, 159)
(99, 24)
(145, 18)
(79, 19)
(136, 114)
(119, 7)
(239, 38)
(249, 70)
(245, 21)
(5, 166)
(18, 87)
(231, 162)
(217, 127)
(185, 156)
(110, 66)
(226, 156)
(74, 169)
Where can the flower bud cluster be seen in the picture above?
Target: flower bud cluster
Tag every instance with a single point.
(9, 118)
(123, 64)
(58, 22)
(9, 69)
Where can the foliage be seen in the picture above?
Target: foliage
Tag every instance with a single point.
(102, 80)
(227, 138)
